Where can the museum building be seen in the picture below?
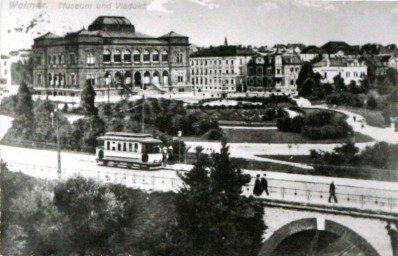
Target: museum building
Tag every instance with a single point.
(110, 55)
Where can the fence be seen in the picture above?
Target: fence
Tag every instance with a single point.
(379, 200)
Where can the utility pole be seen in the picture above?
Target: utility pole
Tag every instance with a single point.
(55, 114)
(179, 145)
(143, 114)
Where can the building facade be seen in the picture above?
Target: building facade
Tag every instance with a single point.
(220, 69)
(274, 73)
(109, 55)
(348, 69)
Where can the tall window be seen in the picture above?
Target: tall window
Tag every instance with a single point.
(39, 79)
(180, 58)
(155, 56)
(38, 59)
(117, 56)
(73, 79)
(50, 60)
(91, 79)
(146, 55)
(50, 79)
(90, 58)
(126, 56)
(107, 56)
(180, 78)
(72, 58)
(137, 56)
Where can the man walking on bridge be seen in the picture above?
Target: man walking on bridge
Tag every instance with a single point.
(264, 184)
(332, 192)
(257, 186)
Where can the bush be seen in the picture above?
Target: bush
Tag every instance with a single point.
(215, 134)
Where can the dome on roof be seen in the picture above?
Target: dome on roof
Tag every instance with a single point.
(111, 23)
(111, 20)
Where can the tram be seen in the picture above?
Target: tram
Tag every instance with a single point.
(130, 149)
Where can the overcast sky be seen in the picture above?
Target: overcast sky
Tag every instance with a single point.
(207, 22)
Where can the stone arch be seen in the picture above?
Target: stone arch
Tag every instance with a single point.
(316, 224)
(165, 78)
(147, 77)
(128, 78)
(118, 78)
(137, 79)
(156, 78)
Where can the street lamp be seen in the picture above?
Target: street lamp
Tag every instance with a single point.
(55, 114)
(179, 145)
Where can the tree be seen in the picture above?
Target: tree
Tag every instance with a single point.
(24, 123)
(88, 100)
(22, 72)
(371, 102)
(306, 73)
(97, 214)
(339, 84)
(213, 218)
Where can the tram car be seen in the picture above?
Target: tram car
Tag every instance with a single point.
(129, 149)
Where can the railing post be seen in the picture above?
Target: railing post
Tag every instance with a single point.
(362, 201)
(391, 204)
(308, 195)
(283, 192)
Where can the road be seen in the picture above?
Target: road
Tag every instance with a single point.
(359, 194)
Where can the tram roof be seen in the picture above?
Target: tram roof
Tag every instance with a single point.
(129, 137)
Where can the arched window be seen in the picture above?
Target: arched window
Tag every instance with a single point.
(126, 56)
(117, 56)
(50, 79)
(137, 56)
(90, 58)
(155, 56)
(107, 56)
(146, 55)
(165, 56)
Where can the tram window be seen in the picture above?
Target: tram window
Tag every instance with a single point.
(108, 145)
(135, 147)
(124, 147)
(119, 146)
(130, 147)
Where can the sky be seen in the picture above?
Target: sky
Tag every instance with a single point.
(208, 22)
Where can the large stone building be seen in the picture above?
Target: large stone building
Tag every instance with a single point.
(110, 54)
(220, 69)
(274, 73)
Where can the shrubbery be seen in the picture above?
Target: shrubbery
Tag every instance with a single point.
(316, 126)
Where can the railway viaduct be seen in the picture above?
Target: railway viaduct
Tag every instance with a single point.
(304, 229)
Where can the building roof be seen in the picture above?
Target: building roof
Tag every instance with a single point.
(129, 137)
(48, 35)
(335, 62)
(335, 46)
(4, 57)
(376, 61)
(223, 51)
(313, 49)
(173, 35)
(111, 20)
(291, 60)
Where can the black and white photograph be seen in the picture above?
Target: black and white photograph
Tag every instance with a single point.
(198, 128)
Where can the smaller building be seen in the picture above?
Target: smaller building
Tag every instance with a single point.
(275, 73)
(348, 69)
(379, 64)
(220, 69)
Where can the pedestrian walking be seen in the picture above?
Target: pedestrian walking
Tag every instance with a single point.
(332, 192)
(257, 186)
(264, 184)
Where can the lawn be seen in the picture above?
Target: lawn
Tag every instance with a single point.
(373, 117)
(275, 136)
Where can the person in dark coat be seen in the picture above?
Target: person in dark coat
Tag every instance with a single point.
(257, 186)
(264, 185)
(332, 192)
